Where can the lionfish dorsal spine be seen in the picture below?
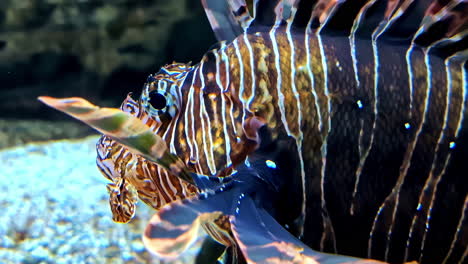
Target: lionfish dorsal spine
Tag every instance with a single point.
(423, 22)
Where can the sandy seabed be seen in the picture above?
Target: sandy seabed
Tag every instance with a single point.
(55, 209)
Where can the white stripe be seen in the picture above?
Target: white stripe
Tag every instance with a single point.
(438, 178)
(325, 79)
(175, 118)
(299, 137)
(279, 79)
(283, 114)
(465, 94)
(352, 46)
(360, 16)
(458, 234)
(226, 89)
(365, 154)
(410, 77)
(324, 146)
(225, 59)
(362, 156)
(371, 143)
(241, 78)
(163, 185)
(158, 199)
(162, 86)
(395, 193)
(194, 132)
(188, 106)
(465, 254)
(459, 126)
(429, 87)
(312, 79)
(206, 130)
(252, 71)
(172, 194)
(223, 108)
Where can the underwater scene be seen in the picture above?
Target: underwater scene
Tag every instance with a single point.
(234, 131)
(54, 202)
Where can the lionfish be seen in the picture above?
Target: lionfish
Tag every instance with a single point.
(313, 126)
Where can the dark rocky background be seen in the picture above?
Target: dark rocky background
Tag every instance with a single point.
(96, 49)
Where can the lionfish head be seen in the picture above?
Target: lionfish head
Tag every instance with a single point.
(131, 175)
(161, 99)
(200, 122)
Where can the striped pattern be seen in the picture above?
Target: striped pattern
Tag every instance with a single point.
(156, 186)
(288, 102)
(380, 130)
(130, 168)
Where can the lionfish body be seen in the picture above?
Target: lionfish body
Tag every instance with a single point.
(374, 95)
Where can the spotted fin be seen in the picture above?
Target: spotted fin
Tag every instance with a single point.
(124, 128)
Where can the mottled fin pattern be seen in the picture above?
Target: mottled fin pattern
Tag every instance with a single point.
(174, 228)
(229, 213)
(122, 200)
(423, 22)
(124, 128)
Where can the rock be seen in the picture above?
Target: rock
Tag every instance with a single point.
(91, 48)
(14, 132)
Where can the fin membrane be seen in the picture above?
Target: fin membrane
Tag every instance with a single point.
(174, 228)
(263, 240)
(125, 129)
(422, 22)
(224, 23)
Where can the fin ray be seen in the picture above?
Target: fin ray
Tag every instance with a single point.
(263, 240)
(223, 22)
(175, 227)
(422, 21)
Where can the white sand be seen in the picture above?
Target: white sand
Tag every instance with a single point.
(54, 208)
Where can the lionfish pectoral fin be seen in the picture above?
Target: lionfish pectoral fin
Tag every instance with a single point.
(176, 227)
(124, 128)
(252, 127)
(204, 182)
(263, 240)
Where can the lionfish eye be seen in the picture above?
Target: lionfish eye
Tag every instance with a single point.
(157, 100)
